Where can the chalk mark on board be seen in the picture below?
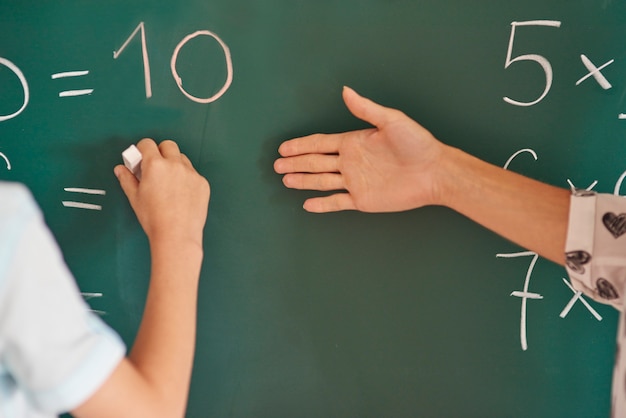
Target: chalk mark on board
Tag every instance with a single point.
(618, 184)
(577, 296)
(4, 157)
(595, 72)
(74, 93)
(512, 157)
(539, 59)
(69, 74)
(573, 188)
(25, 89)
(86, 191)
(144, 54)
(91, 295)
(82, 205)
(524, 294)
(229, 67)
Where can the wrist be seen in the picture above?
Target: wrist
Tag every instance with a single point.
(177, 249)
(176, 237)
(448, 174)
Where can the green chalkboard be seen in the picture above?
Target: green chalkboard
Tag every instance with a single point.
(347, 314)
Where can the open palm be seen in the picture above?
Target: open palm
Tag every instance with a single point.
(390, 167)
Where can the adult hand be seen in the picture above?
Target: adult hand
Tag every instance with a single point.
(390, 167)
(399, 165)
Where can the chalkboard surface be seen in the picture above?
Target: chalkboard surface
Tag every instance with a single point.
(417, 314)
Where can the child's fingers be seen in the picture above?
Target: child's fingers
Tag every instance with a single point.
(128, 182)
(169, 149)
(186, 160)
(148, 148)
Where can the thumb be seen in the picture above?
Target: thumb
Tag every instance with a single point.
(128, 181)
(367, 110)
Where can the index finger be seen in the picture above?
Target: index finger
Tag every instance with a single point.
(311, 144)
(169, 149)
(148, 148)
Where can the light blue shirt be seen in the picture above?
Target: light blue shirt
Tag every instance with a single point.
(54, 353)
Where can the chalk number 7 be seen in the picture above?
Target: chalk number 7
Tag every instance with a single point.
(542, 61)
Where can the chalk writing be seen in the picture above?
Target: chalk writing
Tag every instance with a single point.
(72, 93)
(91, 295)
(82, 205)
(588, 188)
(179, 82)
(229, 67)
(618, 185)
(140, 31)
(512, 157)
(524, 294)
(6, 160)
(577, 297)
(542, 61)
(144, 55)
(20, 76)
(595, 72)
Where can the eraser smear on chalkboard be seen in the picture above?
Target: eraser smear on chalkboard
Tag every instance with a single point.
(132, 160)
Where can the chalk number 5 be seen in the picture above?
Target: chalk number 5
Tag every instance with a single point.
(542, 61)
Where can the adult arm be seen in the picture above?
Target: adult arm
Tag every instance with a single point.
(399, 165)
(171, 203)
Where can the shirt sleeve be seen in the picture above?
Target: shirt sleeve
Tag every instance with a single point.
(58, 352)
(595, 250)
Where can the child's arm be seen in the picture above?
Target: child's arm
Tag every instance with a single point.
(398, 165)
(171, 203)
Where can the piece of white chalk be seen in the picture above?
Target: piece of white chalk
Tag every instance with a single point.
(132, 160)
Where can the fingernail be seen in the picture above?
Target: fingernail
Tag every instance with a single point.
(117, 171)
(350, 89)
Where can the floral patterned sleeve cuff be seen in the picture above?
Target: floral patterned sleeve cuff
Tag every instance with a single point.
(595, 250)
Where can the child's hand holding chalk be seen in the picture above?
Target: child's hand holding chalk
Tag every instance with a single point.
(167, 194)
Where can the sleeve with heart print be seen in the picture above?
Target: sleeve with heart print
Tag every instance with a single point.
(595, 258)
(595, 250)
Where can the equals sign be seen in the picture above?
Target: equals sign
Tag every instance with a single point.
(72, 93)
(81, 205)
(90, 295)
